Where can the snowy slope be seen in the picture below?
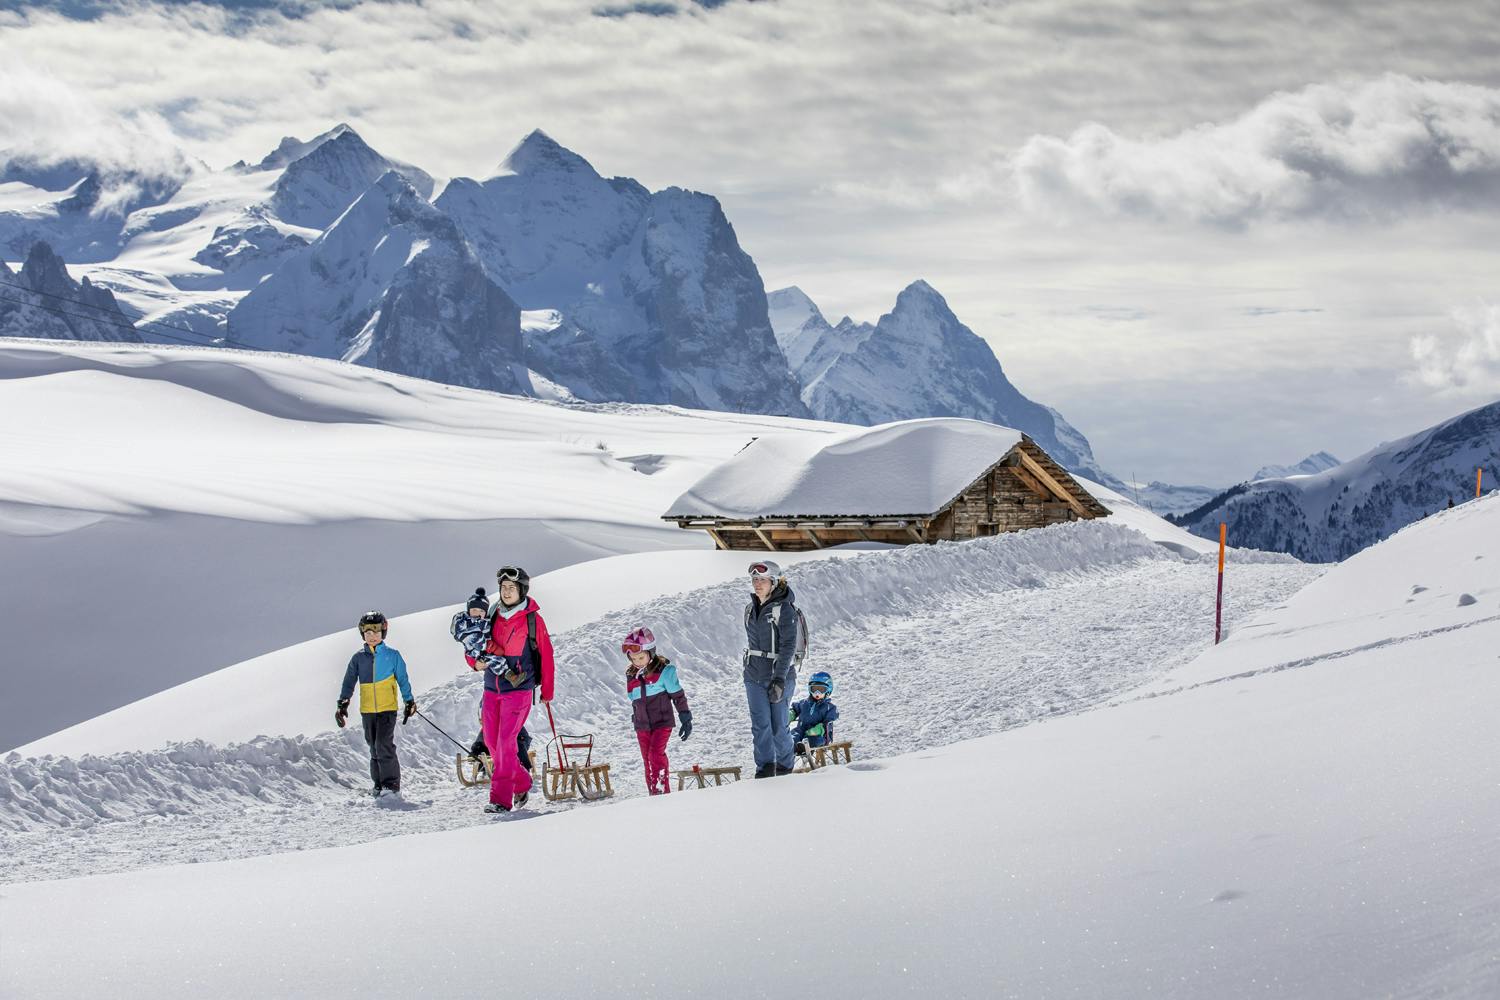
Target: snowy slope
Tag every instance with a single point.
(188, 487)
(286, 692)
(1268, 826)
(1333, 514)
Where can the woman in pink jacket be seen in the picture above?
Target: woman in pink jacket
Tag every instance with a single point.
(518, 664)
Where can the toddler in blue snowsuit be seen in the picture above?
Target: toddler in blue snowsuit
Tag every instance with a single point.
(811, 717)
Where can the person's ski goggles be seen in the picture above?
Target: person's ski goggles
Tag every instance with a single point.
(509, 573)
(631, 648)
(367, 629)
(760, 571)
(817, 689)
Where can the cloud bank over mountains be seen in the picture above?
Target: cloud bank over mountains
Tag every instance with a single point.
(1345, 152)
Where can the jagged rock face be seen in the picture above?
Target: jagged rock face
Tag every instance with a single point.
(445, 320)
(1329, 516)
(546, 225)
(660, 303)
(920, 361)
(392, 285)
(44, 302)
(250, 243)
(316, 188)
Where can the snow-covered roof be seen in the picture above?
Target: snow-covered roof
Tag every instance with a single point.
(906, 468)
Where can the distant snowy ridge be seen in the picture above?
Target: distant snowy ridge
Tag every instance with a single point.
(1311, 465)
(919, 360)
(1330, 515)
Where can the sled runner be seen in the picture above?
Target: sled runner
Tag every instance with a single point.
(474, 770)
(701, 775)
(816, 757)
(565, 778)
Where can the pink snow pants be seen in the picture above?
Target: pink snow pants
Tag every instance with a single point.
(654, 755)
(504, 715)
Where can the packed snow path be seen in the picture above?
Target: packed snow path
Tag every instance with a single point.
(928, 645)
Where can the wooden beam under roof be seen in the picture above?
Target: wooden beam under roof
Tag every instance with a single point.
(1032, 466)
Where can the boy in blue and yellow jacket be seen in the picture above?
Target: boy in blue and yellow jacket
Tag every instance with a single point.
(380, 672)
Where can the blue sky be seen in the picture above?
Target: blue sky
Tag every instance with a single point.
(1214, 235)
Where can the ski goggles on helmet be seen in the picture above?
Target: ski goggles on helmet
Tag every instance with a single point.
(818, 690)
(514, 574)
(631, 648)
(764, 570)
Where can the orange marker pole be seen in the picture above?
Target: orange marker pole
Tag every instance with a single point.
(1219, 603)
(1478, 480)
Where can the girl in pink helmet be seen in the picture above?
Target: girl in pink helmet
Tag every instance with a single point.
(652, 686)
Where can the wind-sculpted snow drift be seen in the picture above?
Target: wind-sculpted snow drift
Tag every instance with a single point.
(930, 644)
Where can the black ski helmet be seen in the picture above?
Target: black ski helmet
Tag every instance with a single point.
(373, 618)
(516, 575)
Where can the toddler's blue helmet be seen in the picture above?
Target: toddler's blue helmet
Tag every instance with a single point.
(821, 679)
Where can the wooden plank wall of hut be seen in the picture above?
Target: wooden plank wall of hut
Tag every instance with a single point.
(1006, 499)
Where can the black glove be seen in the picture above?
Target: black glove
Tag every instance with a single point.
(411, 708)
(776, 690)
(341, 713)
(687, 725)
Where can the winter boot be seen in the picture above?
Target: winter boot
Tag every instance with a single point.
(766, 771)
(521, 798)
(495, 807)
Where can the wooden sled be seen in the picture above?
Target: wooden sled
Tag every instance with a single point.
(830, 753)
(566, 778)
(701, 775)
(476, 770)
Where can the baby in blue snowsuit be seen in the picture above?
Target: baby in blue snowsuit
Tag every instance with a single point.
(811, 717)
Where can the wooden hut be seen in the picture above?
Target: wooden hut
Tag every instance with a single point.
(915, 481)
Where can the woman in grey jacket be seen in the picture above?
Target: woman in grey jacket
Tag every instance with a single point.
(770, 670)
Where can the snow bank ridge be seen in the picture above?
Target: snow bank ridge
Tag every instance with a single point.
(701, 628)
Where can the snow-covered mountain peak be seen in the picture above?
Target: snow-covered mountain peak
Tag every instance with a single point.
(790, 309)
(539, 153)
(920, 304)
(291, 148)
(920, 360)
(317, 187)
(1311, 465)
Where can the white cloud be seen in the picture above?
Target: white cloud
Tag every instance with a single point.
(1468, 359)
(48, 120)
(1376, 149)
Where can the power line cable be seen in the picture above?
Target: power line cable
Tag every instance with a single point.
(206, 340)
(127, 325)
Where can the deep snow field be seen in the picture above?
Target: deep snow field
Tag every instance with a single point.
(1061, 787)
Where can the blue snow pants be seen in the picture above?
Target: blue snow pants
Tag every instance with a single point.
(768, 724)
